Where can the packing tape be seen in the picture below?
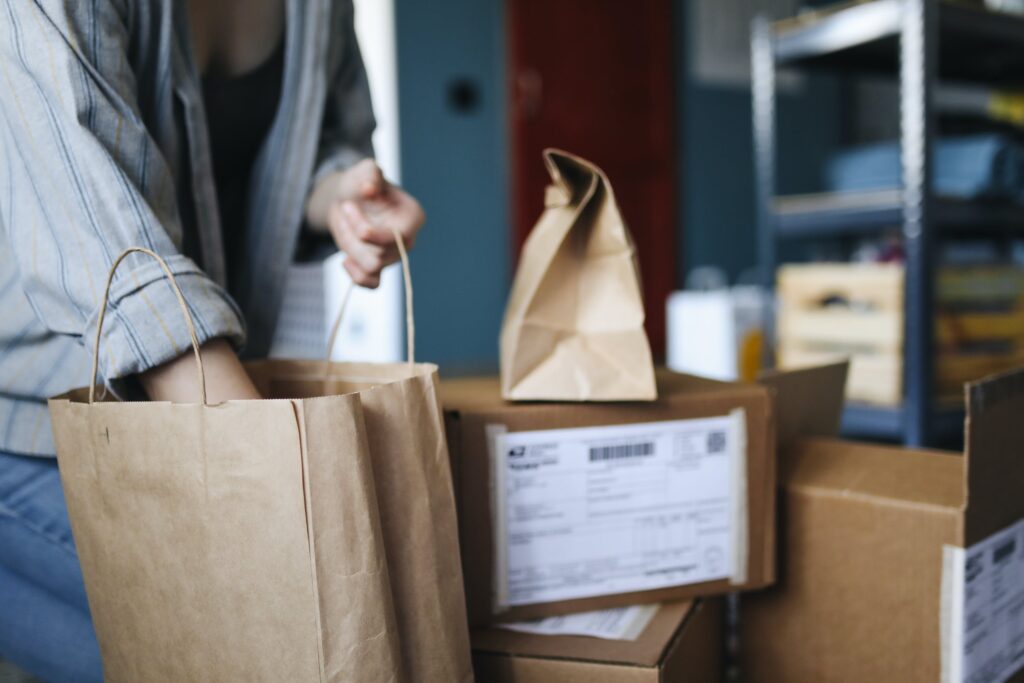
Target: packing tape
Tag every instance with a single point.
(498, 519)
(740, 529)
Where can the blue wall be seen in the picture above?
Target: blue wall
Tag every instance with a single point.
(456, 163)
(717, 157)
(718, 165)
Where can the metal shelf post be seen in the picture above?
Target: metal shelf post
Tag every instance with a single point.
(900, 35)
(763, 84)
(918, 53)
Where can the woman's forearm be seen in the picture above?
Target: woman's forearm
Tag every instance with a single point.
(176, 380)
(325, 192)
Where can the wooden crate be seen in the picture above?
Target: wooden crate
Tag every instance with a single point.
(833, 311)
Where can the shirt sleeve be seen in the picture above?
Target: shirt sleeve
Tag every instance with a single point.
(84, 180)
(348, 124)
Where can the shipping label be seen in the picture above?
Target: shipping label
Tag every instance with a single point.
(983, 608)
(616, 509)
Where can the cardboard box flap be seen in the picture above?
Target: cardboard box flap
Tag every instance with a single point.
(994, 454)
(897, 475)
(809, 402)
(682, 382)
(647, 650)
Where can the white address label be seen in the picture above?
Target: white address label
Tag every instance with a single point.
(983, 608)
(617, 509)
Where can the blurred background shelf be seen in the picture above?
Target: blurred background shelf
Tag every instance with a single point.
(976, 45)
(918, 44)
(878, 422)
(866, 213)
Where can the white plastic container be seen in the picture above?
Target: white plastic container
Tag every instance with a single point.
(714, 330)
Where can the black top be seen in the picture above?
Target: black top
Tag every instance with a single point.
(240, 111)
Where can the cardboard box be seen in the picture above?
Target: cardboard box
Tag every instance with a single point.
(871, 547)
(473, 409)
(682, 644)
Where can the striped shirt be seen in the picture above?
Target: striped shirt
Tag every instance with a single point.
(103, 145)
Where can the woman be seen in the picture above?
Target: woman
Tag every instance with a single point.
(223, 134)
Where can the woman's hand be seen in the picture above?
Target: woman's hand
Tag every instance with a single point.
(175, 381)
(362, 211)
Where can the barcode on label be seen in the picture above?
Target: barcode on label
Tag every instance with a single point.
(1004, 551)
(619, 451)
(716, 442)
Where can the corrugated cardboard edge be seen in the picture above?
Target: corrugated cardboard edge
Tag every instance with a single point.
(809, 401)
(691, 652)
(697, 647)
(993, 442)
(994, 389)
(646, 650)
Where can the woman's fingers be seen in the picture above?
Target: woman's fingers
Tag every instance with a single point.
(364, 260)
(357, 180)
(403, 214)
(373, 184)
(360, 276)
(366, 230)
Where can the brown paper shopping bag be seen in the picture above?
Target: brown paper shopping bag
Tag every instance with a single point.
(405, 431)
(230, 542)
(574, 323)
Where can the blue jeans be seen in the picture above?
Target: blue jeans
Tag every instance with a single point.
(45, 627)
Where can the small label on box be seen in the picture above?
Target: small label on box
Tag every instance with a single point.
(619, 623)
(983, 609)
(618, 509)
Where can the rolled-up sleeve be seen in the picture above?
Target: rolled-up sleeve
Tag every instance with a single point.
(85, 180)
(348, 123)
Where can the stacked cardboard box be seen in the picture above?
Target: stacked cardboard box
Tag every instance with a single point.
(682, 644)
(897, 564)
(515, 494)
(689, 491)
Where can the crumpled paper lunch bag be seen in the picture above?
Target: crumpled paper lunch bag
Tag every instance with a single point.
(574, 323)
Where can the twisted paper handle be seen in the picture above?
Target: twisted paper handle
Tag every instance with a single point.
(184, 311)
(410, 329)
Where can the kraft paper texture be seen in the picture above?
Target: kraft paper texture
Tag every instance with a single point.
(574, 323)
(252, 540)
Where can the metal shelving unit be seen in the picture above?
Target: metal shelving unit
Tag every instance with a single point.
(852, 214)
(920, 42)
(977, 45)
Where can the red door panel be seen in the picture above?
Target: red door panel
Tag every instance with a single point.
(595, 77)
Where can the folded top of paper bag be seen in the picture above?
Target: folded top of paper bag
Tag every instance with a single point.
(574, 323)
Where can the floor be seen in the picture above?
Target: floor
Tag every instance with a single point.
(10, 674)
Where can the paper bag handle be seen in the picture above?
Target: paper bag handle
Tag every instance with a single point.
(410, 329)
(181, 302)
